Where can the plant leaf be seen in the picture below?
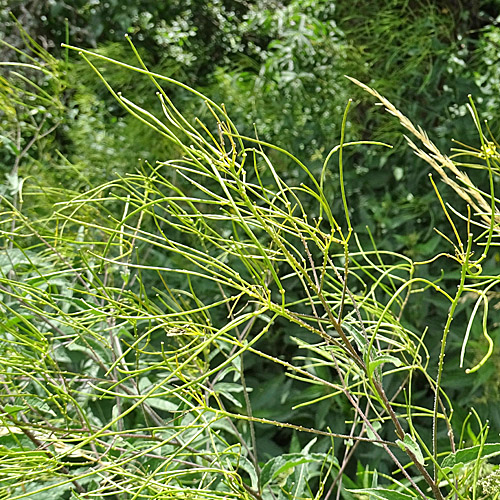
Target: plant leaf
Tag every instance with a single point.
(410, 444)
(455, 461)
(281, 467)
(386, 358)
(383, 494)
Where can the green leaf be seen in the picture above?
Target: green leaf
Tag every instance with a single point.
(248, 467)
(383, 494)
(11, 258)
(371, 434)
(386, 358)
(410, 444)
(226, 388)
(9, 144)
(358, 336)
(13, 409)
(159, 403)
(39, 404)
(54, 493)
(455, 461)
(279, 468)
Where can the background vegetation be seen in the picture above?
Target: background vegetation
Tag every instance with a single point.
(77, 163)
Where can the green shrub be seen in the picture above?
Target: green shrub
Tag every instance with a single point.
(138, 322)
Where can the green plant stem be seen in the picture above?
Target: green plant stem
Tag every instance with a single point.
(465, 267)
(63, 469)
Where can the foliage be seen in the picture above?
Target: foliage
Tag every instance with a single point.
(31, 89)
(137, 315)
(279, 66)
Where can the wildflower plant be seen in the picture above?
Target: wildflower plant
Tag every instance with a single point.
(131, 312)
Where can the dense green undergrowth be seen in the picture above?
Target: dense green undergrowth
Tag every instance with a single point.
(214, 325)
